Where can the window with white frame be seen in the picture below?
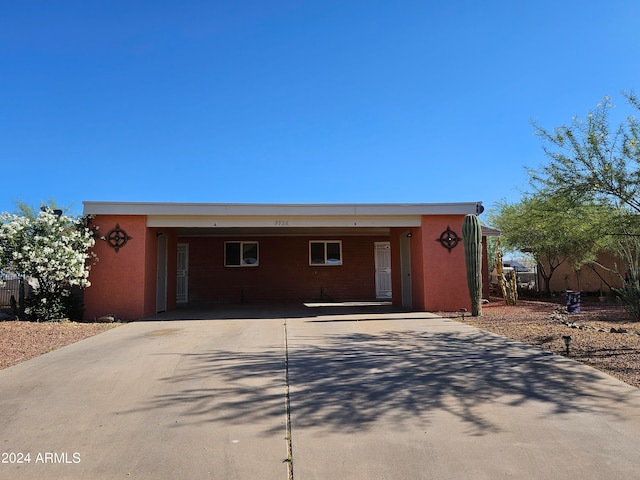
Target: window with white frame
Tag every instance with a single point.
(240, 254)
(326, 252)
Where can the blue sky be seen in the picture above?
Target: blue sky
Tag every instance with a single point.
(293, 101)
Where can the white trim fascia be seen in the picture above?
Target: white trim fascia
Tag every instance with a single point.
(277, 210)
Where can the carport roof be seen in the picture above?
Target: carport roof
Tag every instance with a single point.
(273, 209)
(241, 218)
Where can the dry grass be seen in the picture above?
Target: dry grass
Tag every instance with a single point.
(593, 342)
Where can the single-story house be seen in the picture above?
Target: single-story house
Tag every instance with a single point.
(155, 257)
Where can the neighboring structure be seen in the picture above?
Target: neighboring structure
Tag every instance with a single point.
(156, 256)
(596, 280)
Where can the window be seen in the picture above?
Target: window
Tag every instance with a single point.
(240, 254)
(325, 253)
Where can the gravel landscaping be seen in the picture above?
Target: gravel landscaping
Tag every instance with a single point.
(603, 335)
(20, 341)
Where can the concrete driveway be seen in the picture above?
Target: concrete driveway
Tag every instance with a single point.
(372, 395)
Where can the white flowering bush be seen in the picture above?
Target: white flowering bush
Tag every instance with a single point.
(50, 250)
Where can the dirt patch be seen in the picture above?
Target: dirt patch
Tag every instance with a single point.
(20, 341)
(603, 336)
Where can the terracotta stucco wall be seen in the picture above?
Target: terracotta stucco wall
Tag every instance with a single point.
(120, 281)
(283, 272)
(444, 275)
(438, 276)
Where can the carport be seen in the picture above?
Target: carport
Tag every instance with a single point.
(156, 257)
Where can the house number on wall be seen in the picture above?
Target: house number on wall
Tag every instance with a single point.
(281, 223)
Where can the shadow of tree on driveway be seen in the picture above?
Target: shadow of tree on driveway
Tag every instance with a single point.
(349, 382)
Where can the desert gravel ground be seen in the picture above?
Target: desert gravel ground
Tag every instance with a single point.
(603, 335)
(20, 341)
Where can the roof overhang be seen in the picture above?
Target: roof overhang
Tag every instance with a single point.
(490, 232)
(262, 209)
(278, 217)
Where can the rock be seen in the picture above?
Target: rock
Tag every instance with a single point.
(618, 330)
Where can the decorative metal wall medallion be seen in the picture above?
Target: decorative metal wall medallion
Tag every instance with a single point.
(117, 238)
(448, 239)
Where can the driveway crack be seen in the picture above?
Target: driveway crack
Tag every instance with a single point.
(287, 399)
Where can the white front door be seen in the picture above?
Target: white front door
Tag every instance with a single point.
(383, 269)
(182, 290)
(161, 284)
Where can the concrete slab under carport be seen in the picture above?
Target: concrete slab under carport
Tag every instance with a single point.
(275, 309)
(374, 394)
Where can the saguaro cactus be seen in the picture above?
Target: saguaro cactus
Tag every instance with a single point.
(472, 239)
